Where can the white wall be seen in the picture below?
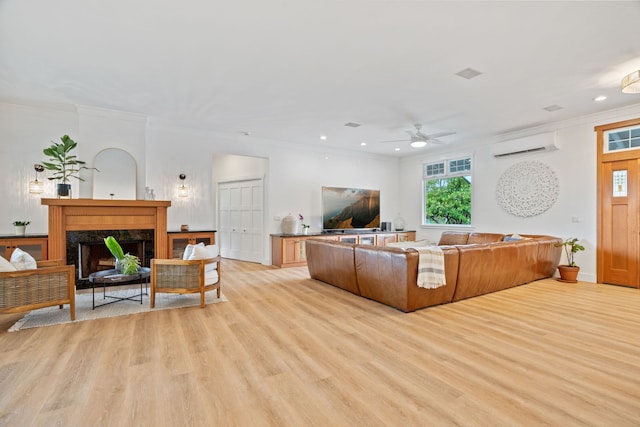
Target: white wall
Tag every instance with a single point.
(574, 164)
(24, 132)
(293, 177)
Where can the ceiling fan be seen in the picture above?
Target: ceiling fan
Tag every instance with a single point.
(419, 139)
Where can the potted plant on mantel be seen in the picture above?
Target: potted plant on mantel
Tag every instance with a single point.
(569, 272)
(64, 164)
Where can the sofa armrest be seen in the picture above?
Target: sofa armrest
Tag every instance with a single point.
(333, 263)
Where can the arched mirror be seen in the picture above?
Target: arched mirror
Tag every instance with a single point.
(117, 177)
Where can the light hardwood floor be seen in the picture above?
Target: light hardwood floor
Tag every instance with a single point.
(289, 351)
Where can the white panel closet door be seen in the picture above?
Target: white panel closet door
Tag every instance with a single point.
(241, 217)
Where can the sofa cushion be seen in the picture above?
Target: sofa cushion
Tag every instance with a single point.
(484, 238)
(6, 265)
(210, 277)
(453, 238)
(21, 260)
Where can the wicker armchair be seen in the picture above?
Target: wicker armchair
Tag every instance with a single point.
(184, 277)
(52, 283)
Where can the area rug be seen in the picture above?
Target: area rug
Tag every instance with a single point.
(54, 316)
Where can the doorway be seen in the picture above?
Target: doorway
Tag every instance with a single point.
(618, 203)
(240, 214)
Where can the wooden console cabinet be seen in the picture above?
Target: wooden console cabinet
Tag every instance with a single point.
(178, 241)
(36, 246)
(289, 251)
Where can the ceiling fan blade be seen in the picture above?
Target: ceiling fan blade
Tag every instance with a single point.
(440, 135)
(395, 140)
(436, 141)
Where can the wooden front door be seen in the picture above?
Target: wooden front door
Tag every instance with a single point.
(618, 146)
(620, 223)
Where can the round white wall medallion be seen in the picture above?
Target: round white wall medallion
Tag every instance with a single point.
(527, 189)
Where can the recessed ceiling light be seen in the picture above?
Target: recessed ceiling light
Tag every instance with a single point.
(397, 149)
(323, 137)
(363, 143)
(599, 98)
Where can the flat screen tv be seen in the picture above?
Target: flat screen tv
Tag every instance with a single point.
(350, 208)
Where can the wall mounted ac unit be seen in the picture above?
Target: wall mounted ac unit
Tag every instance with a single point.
(530, 144)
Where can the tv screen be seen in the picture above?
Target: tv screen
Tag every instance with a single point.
(350, 208)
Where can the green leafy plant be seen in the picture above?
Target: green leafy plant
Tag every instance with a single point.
(448, 201)
(571, 247)
(64, 164)
(21, 223)
(128, 263)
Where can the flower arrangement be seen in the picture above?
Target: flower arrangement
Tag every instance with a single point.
(125, 263)
(301, 218)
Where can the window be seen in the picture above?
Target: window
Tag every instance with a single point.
(447, 192)
(622, 139)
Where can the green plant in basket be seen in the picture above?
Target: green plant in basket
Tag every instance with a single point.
(126, 263)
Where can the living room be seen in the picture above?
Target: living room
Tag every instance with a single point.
(295, 176)
(165, 143)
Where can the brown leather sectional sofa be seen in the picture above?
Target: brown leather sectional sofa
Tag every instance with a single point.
(475, 264)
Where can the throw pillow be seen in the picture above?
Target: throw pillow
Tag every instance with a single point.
(6, 265)
(214, 251)
(188, 251)
(512, 238)
(199, 251)
(21, 260)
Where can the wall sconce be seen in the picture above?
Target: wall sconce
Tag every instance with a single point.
(183, 190)
(37, 187)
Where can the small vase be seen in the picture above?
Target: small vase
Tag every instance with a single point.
(305, 230)
(119, 267)
(20, 230)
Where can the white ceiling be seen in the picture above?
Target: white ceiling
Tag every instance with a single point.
(292, 70)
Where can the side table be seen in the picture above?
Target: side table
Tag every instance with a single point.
(112, 277)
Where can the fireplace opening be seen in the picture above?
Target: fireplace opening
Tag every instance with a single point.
(89, 253)
(95, 256)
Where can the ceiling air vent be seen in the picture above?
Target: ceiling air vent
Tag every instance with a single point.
(527, 145)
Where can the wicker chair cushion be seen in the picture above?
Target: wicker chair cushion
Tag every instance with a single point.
(6, 265)
(210, 277)
(21, 260)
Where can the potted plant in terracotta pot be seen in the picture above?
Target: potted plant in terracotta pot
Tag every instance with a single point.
(64, 164)
(569, 272)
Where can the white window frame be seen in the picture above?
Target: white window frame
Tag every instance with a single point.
(629, 140)
(446, 174)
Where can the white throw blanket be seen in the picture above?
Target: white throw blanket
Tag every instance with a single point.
(430, 267)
